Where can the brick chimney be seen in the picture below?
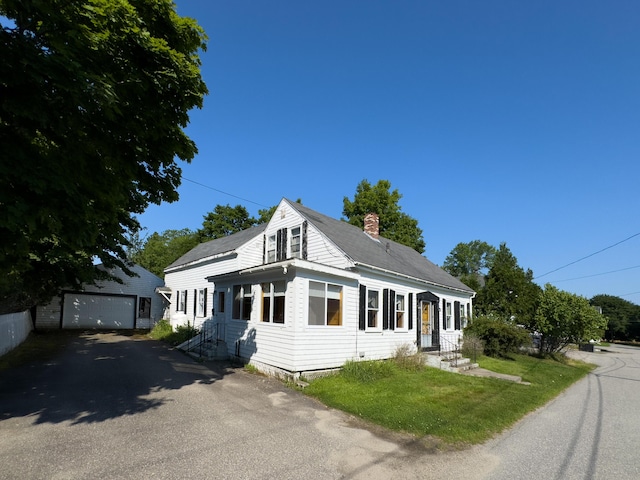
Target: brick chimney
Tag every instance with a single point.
(372, 224)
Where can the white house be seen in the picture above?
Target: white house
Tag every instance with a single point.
(134, 303)
(306, 292)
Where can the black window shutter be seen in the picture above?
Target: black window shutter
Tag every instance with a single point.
(284, 244)
(444, 314)
(392, 309)
(456, 313)
(264, 249)
(362, 320)
(184, 307)
(205, 302)
(410, 311)
(195, 301)
(279, 245)
(385, 309)
(304, 239)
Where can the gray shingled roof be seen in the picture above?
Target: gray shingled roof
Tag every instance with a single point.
(381, 253)
(219, 246)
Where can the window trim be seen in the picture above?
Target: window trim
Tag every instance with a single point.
(326, 297)
(240, 301)
(377, 309)
(293, 236)
(272, 295)
(404, 327)
(201, 302)
(221, 301)
(144, 307)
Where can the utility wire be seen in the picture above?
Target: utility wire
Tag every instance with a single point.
(588, 256)
(627, 294)
(225, 193)
(596, 274)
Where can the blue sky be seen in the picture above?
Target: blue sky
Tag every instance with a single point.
(501, 121)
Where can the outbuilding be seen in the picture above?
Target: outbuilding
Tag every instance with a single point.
(134, 303)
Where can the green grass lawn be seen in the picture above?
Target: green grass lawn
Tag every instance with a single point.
(457, 409)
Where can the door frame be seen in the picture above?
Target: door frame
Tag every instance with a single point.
(434, 301)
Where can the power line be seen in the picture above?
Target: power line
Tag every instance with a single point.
(225, 193)
(588, 256)
(596, 274)
(627, 294)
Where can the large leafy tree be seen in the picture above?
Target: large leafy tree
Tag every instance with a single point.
(394, 223)
(94, 96)
(161, 249)
(623, 317)
(509, 291)
(225, 220)
(563, 318)
(470, 262)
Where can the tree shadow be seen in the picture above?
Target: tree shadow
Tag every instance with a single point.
(100, 376)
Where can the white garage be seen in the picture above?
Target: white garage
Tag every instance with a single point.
(132, 302)
(91, 310)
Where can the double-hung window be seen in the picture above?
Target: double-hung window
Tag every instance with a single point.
(296, 242)
(400, 309)
(242, 302)
(202, 302)
(373, 309)
(448, 317)
(273, 302)
(271, 248)
(463, 318)
(181, 305)
(325, 304)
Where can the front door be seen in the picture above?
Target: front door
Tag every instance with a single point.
(426, 314)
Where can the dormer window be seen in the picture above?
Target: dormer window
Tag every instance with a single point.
(296, 242)
(286, 243)
(271, 248)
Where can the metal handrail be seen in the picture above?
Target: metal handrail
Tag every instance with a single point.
(453, 348)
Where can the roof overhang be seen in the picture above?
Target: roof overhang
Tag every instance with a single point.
(209, 259)
(422, 281)
(165, 292)
(282, 268)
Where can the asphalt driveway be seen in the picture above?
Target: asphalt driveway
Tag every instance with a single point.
(117, 407)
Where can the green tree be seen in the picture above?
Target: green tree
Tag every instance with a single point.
(623, 316)
(162, 249)
(225, 220)
(394, 224)
(95, 96)
(509, 291)
(470, 262)
(563, 318)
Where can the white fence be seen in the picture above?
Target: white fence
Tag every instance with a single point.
(14, 329)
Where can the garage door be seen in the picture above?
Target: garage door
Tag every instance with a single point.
(84, 310)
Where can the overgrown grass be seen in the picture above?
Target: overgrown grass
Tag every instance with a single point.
(162, 331)
(458, 409)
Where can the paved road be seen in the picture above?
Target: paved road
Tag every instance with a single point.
(115, 407)
(591, 431)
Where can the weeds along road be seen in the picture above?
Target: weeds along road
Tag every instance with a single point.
(117, 407)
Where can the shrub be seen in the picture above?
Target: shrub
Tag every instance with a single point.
(499, 337)
(163, 331)
(407, 358)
